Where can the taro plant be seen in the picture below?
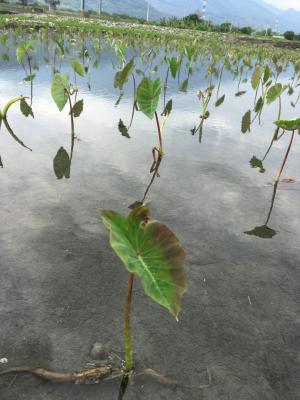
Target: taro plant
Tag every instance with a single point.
(148, 95)
(24, 52)
(64, 92)
(150, 251)
(273, 94)
(205, 98)
(292, 126)
(121, 78)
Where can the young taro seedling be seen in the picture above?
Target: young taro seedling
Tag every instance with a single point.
(64, 92)
(291, 126)
(148, 95)
(151, 251)
(121, 78)
(24, 50)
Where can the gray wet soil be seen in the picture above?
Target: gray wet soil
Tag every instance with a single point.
(62, 287)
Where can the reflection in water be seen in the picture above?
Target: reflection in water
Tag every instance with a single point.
(155, 174)
(264, 231)
(26, 110)
(123, 387)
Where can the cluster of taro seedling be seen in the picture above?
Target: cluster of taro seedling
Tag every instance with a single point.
(149, 249)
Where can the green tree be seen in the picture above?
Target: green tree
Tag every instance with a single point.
(246, 30)
(289, 35)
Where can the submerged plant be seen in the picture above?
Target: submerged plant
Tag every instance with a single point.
(151, 251)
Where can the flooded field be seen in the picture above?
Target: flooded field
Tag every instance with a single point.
(188, 131)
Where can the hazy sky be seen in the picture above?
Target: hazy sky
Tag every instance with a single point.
(285, 3)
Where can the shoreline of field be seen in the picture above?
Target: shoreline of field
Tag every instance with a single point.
(122, 27)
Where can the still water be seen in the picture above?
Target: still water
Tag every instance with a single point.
(62, 287)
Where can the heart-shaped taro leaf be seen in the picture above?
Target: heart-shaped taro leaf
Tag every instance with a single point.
(246, 122)
(263, 232)
(151, 251)
(148, 94)
(168, 108)
(274, 92)
(256, 77)
(25, 108)
(77, 108)
(289, 125)
(78, 67)
(61, 164)
(122, 76)
(123, 129)
(220, 101)
(59, 90)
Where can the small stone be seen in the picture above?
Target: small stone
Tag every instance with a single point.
(3, 360)
(98, 352)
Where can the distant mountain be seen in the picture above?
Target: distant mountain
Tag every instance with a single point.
(134, 8)
(255, 13)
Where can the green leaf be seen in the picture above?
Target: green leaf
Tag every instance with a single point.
(123, 129)
(289, 125)
(246, 122)
(77, 108)
(220, 101)
(173, 67)
(59, 90)
(25, 108)
(259, 105)
(30, 78)
(148, 94)
(263, 232)
(151, 251)
(122, 76)
(61, 164)
(256, 77)
(184, 85)
(257, 163)
(241, 93)
(22, 49)
(267, 74)
(60, 46)
(78, 67)
(168, 109)
(274, 92)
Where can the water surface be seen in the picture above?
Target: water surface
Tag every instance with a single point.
(62, 286)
